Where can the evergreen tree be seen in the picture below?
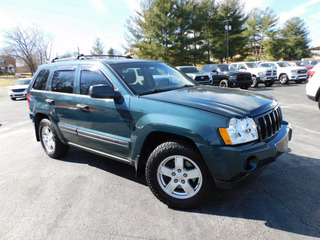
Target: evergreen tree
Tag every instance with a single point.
(111, 51)
(296, 40)
(260, 28)
(97, 48)
(231, 13)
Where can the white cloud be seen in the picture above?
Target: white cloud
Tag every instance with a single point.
(98, 4)
(297, 11)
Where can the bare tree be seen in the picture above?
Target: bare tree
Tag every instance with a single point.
(29, 44)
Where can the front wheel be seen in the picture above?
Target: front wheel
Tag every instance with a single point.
(284, 79)
(224, 83)
(255, 82)
(50, 140)
(177, 175)
(13, 98)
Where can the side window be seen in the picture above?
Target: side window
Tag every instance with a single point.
(91, 77)
(62, 81)
(41, 80)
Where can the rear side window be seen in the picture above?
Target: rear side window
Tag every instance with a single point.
(91, 77)
(41, 80)
(62, 81)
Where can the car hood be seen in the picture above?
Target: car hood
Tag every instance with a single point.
(18, 87)
(222, 101)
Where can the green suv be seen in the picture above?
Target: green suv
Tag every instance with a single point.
(186, 138)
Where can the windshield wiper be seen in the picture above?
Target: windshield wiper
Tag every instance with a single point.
(165, 89)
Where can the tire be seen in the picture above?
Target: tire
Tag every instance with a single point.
(255, 82)
(13, 98)
(283, 79)
(168, 175)
(268, 84)
(224, 83)
(319, 102)
(50, 141)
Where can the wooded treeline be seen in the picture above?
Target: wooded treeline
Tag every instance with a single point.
(184, 32)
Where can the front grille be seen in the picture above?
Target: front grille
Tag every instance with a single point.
(202, 78)
(244, 77)
(271, 72)
(269, 124)
(18, 90)
(302, 71)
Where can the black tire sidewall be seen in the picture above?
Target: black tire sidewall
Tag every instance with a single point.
(166, 150)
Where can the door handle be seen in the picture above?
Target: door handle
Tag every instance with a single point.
(82, 106)
(50, 101)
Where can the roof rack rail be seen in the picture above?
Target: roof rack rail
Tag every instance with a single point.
(82, 56)
(62, 59)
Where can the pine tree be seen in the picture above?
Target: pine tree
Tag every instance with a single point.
(97, 48)
(296, 39)
(260, 29)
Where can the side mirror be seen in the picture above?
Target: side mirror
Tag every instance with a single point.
(104, 91)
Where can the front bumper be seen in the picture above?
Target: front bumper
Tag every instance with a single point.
(267, 79)
(234, 166)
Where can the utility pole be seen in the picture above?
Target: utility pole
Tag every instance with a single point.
(227, 28)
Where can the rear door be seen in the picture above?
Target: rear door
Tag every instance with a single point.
(61, 99)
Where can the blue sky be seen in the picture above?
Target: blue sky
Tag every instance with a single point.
(77, 23)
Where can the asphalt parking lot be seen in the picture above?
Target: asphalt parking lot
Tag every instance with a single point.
(84, 196)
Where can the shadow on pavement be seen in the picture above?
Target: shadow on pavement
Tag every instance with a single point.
(285, 196)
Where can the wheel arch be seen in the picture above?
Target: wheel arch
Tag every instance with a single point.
(153, 140)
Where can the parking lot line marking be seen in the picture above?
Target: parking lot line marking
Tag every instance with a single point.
(296, 126)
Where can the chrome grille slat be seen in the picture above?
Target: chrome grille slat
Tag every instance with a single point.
(269, 123)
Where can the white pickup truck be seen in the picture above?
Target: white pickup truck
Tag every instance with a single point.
(259, 74)
(287, 73)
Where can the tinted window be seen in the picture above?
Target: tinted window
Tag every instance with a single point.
(62, 81)
(189, 70)
(41, 80)
(223, 67)
(89, 78)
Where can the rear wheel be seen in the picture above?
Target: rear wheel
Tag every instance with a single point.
(177, 175)
(255, 82)
(224, 83)
(50, 140)
(284, 79)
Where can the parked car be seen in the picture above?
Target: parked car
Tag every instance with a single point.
(259, 74)
(19, 89)
(313, 85)
(314, 62)
(287, 73)
(301, 64)
(195, 74)
(187, 137)
(224, 75)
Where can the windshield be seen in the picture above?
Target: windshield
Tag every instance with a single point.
(151, 77)
(223, 67)
(265, 65)
(23, 82)
(302, 63)
(189, 69)
(283, 64)
(252, 65)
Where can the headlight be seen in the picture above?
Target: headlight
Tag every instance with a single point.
(233, 77)
(293, 71)
(239, 131)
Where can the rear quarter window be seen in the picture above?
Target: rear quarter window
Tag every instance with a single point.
(41, 81)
